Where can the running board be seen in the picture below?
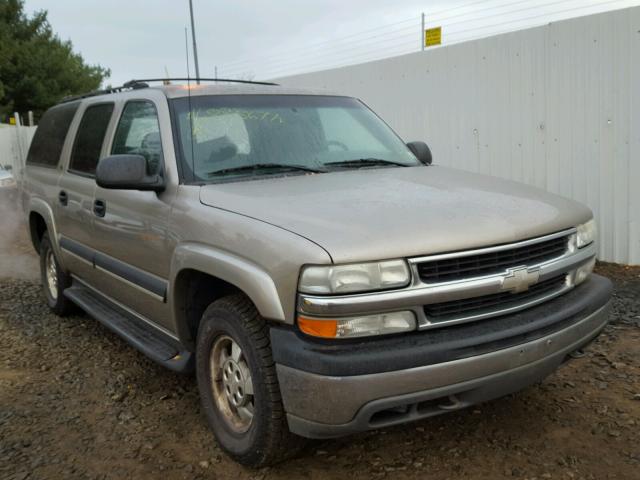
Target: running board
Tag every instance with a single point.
(154, 344)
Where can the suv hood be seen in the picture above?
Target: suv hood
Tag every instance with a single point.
(374, 214)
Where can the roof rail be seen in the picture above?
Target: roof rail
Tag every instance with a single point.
(72, 98)
(131, 83)
(142, 83)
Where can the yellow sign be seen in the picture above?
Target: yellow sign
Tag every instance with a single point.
(12, 121)
(433, 36)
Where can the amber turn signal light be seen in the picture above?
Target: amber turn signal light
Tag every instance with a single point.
(318, 328)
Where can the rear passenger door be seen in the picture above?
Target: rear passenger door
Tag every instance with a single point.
(132, 253)
(75, 190)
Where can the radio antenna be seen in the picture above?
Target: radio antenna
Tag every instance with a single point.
(186, 44)
(186, 48)
(195, 47)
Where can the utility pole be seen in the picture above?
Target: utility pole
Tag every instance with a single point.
(195, 48)
(422, 33)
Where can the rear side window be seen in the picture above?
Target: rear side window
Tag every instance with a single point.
(48, 140)
(93, 126)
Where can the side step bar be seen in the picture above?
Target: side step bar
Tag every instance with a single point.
(158, 347)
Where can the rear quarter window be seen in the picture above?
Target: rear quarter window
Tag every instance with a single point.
(50, 135)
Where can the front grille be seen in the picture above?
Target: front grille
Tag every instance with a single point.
(493, 302)
(462, 268)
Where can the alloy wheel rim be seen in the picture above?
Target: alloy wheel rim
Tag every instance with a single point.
(51, 275)
(231, 383)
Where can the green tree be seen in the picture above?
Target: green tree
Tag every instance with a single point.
(37, 69)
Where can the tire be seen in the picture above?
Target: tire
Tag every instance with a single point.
(54, 279)
(266, 439)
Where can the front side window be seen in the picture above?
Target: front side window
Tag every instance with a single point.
(138, 133)
(88, 144)
(229, 137)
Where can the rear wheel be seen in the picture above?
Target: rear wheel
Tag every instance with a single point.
(238, 384)
(54, 279)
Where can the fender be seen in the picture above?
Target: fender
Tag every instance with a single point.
(245, 275)
(40, 206)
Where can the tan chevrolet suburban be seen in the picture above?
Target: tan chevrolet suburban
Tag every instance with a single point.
(321, 276)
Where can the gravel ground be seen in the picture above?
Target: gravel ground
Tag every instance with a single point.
(77, 402)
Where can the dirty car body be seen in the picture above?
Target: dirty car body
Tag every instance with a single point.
(391, 289)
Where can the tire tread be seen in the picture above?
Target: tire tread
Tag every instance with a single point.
(279, 443)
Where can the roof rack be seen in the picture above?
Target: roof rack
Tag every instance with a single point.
(131, 83)
(142, 83)
(73, 98)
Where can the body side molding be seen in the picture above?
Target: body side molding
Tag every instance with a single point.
(146, 282)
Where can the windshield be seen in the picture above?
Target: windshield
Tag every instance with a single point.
(226, 137)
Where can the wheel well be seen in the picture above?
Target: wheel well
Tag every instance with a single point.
(37, 227)
(194, 292)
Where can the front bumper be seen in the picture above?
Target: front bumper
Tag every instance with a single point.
(332, 390)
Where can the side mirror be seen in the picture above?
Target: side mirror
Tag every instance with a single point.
(127, 172)
(421, 151)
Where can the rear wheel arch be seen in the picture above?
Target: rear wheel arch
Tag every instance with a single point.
(37, 228)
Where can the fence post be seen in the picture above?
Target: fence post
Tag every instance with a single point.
(422, 33)
(18, 162)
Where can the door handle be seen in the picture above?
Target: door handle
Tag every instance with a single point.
(99, 208)
(63, 198)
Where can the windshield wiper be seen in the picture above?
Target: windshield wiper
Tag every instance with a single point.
(265, 166)
(366, 162)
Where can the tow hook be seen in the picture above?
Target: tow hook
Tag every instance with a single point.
(453, 404)
(579, 353)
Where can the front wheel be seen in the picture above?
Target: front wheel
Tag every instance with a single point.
(238, 384)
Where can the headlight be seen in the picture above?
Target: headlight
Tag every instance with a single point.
(356, 277)
(586, 233)
(361, 326)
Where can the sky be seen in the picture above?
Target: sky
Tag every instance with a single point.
(260, 40)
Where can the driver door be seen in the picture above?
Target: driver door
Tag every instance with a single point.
(133, 254)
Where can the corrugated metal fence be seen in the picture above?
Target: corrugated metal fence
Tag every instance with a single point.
(555, 106)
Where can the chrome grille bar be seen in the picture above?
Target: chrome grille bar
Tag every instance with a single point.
(420, 293)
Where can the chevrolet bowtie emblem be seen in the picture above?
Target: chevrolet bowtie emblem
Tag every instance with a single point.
(519, 279)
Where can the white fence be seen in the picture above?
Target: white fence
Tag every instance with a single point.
(14, 145)
(556, 106)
